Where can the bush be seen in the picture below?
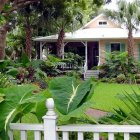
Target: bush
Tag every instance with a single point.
(137, 76)
(121, 78)
(119, 63)
(74, 74)
(4, 81)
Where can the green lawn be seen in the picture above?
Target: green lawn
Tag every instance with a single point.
(106, 95)
(104, 98)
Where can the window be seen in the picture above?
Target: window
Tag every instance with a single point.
(115, 47)
(102, 23)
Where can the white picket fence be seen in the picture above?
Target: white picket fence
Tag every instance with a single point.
(50, 129)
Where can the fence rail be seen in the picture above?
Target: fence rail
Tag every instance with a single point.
(51, 130)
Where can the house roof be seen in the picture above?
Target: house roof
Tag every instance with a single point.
(92, 32)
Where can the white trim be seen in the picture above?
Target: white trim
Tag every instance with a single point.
(41, 51)
(99, 62)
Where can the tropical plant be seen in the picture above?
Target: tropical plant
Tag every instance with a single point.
(18, 101)
(8, 10)
(74, 59)
(71, 98)
(4, 81)
(119, 63)
(71, 17)
(24, 71)
(127, 14)
(51, 65)
(128, 114)
(28, 20)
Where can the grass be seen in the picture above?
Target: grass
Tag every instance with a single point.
(106, 95)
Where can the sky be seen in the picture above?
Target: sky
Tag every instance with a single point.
(112, 5)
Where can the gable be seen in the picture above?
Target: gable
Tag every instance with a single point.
(101, 21)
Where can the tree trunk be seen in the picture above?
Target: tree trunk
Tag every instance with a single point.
(130, 44)
(2, 3)
(3, 33)
(28, 40)
(60, 42)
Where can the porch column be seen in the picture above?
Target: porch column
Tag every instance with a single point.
(45, 52)
(99, 58)
(63, 50)
(41, 45)
(86, 58)
(41, 51)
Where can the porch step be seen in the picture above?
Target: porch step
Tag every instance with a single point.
(91, 73)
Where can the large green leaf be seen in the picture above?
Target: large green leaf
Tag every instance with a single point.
(68, 94)
(16, 97)
(40, 109)
(2, 97)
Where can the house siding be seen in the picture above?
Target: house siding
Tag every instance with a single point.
(104, 42)
(95, 24)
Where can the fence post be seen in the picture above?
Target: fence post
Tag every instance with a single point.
(50, 121)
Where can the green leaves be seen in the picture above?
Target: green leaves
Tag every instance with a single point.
(68, 94)
(128, 114)
(4, 81)
(18, 101)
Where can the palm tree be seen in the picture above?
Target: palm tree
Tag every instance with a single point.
(128, 15)
(3, 33)
(72, 18)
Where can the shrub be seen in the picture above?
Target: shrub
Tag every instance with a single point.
(121, 78)
(74, 74)
(119, 63)
(74, 59)
(137, 76)
(4, 81)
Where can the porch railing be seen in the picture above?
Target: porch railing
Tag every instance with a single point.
(70, 66)
(51, 131)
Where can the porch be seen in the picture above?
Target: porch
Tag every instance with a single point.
(88, 50)
(51, 131)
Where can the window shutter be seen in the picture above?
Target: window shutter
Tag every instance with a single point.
(139, 51)
(122, 47)
(108, 48)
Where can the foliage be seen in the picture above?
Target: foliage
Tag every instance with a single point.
(129, 114)
(74, 59)
(128, 15)
(73, 93)
(4, 81)
(76, 98)
(74, 74)
(119, 63)
(51, 65)
(121, 78)
(18, 101)
(23, 70)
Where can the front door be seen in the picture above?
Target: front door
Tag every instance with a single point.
(92, 53)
